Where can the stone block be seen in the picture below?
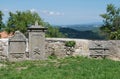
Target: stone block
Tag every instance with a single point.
(17, 47)
(36, 42)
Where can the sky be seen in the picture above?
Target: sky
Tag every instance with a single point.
(60, 12)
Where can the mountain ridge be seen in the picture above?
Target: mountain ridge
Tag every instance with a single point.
(82, 31)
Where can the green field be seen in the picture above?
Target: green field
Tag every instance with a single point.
(67, 68)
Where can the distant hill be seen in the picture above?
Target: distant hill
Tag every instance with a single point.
(82, 31)
(83, 27)
(72, 33)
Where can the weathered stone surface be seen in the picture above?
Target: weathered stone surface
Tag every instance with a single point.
(56, 48)
(114, 48)
(3, 49)
(36, 42)
(110, 48)
(98, 48)
(17, 47)
(81, 47)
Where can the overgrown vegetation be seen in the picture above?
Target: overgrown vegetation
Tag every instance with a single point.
(67, 68)
(70, 43)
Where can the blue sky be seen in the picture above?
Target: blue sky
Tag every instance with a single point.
(60, 12)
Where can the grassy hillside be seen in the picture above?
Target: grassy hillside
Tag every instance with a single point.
(68, 68)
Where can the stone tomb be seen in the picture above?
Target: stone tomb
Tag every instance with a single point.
(36, 42)
(17, 47)
(98, 49)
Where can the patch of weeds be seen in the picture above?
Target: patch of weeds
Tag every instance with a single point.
(70, 43)
(52, 56)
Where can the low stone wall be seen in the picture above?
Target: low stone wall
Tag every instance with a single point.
(56, 46)
(108, 48)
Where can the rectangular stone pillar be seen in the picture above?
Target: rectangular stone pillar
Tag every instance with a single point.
(36, 42)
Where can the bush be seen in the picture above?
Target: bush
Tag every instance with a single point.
(70, 43)
(52, 56)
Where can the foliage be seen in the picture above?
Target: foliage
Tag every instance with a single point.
(21, 20)
(111, 21)
(68, 68)
(2, 26)
(52, 56)
(53, 31)
(70, 43)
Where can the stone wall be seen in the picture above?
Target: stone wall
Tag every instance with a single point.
(3, 49)
(108, 48)
(56, 46)
(113, 47)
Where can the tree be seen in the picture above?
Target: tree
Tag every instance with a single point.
(111, 26)
(1, 22)
(21, 20)
(53, 31)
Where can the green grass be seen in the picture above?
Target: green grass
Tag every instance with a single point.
(67, 68)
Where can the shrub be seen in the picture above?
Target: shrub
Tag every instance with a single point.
(52, 56)
(70, 43)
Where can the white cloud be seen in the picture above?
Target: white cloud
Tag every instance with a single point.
(58, 13)
(52, 13)
(8, 10)
(45, 12)
(33, 10)
(5, 10)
